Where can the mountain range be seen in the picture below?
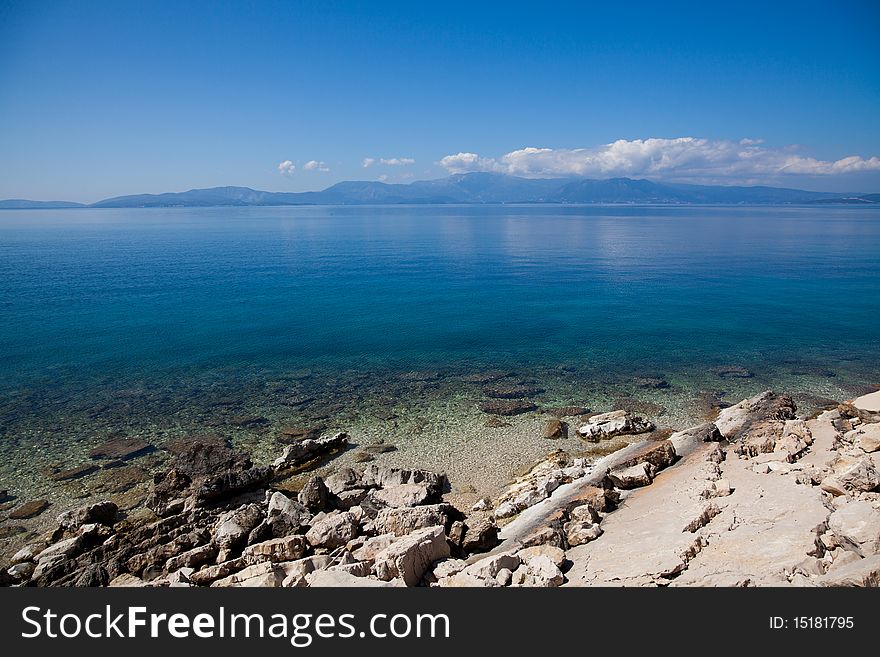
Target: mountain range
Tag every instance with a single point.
(470, 188)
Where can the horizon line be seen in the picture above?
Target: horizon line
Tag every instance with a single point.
(842, 195)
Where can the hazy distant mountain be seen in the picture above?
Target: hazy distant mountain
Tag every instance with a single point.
(859, 199)
(200, 198)
(24, 204)
(472, 188)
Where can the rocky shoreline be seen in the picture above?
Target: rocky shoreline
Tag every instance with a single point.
(759, 496)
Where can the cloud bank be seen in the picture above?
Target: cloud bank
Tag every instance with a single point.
(389, 161)
(314, 165)
(684, 158)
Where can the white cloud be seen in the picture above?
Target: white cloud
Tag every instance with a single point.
(682, 158)
(286, 168)
(388, 161)
(383, 177)
(464, 162)
(314, 165)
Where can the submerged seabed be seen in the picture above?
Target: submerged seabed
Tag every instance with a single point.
(425, 418)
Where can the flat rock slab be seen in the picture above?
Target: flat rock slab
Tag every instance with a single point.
(768, 526)
(248, 421)
(29, 510)
(512, 392)
(645, 538)
(869, 402)
(121, 450)
(507, 407)
(825, 436)
(74, 473)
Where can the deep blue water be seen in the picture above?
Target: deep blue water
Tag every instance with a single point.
(101, 295)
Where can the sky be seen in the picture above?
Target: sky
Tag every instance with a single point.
(100, 99)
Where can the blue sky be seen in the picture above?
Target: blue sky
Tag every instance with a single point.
(106, 98)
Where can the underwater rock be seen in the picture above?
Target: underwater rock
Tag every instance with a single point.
(121, 449)
(507, 408)
(29, 509)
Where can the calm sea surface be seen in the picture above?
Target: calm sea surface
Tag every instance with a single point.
(156, 323)
(97, 294)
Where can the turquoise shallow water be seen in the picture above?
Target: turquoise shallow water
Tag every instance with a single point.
(150, 322)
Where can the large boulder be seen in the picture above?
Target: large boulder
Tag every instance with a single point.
(857, 527)
(600, 498)
(232, 528)
(103, 513)
(489, 567)
(193, 558)
(287, 548)
(556, 428)
(20, 572)
(480, 535)
(851, 474)
(148, 562)
(262, 575)
(126, 580)
(67, 548)
(384, 477)
(232, 483)
(410, 557)
(286, 516)
(314, 494)
(686, 440)
(297, 571)
(659, 453)
(578, 532)
(91, 576)
(170, 489)
(308, 450)
(634, 476)
(344, 479)
(761, 416)
(28, 553)
(405, 520)
(333, 531)
(866, 437)
(57, 559)
(368, 549)
(402, 495)
(615, 423)
(555, 554)
(795, 439)
(583, 525)
(209, 574)
(539, 571)
(206, 469)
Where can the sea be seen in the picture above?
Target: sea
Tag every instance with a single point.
(392, 322)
